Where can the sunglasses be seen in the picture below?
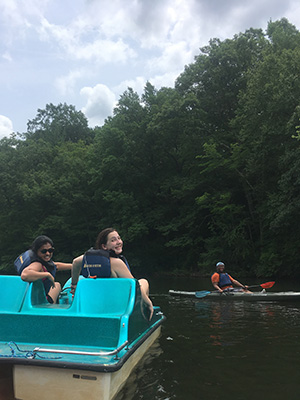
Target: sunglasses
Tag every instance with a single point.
(44, 251)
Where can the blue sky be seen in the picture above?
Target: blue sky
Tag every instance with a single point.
(87, 52)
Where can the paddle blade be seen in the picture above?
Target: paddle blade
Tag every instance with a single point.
(267, 285)
(202, 294)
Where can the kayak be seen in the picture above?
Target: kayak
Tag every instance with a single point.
(84, 347)
(254, 296)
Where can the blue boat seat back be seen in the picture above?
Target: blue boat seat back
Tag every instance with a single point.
(37, 294)
(36, 298)
(111, 296)
(12, 293)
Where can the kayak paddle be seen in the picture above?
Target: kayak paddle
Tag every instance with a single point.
(204, 293)
(266, 285)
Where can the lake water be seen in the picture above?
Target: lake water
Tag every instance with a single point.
(215, 349)
(220, 350)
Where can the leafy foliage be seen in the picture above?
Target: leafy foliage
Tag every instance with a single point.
(189, 175)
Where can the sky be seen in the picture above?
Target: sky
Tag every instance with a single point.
(86, 53)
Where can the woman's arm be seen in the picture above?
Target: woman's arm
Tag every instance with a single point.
(76, 268)
(34, 272)
(60, 266)
(119, 269)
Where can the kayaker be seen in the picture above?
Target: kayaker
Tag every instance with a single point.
(37, 263)
(223, 282)
(109, 247)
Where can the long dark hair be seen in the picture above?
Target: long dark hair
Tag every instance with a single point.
(39, 242)
(102, 237)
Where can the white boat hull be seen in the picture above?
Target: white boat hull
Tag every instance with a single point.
(44, 383)
(255, 296)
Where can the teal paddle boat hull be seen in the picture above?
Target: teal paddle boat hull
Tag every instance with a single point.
(83, 347)
(231, 296)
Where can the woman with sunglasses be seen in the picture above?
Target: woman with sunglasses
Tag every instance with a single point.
(41, 266)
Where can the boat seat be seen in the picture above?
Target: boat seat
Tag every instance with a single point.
(36, 300)
(59, 329)
(12, 293)
(98, 309)
(104, 314)
(92, 297)
(111, 296)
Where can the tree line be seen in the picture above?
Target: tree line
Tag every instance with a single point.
(190, 175)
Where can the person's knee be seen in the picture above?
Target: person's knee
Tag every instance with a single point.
(143, 281)
(144, 284)
(53, 294)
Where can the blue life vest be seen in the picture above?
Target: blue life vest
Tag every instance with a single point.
(96, 264)
(23, 261)
(224, 280)
(27, 258)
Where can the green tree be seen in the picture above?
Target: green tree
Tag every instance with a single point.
(265, 128)
(44, 177)
(59, 123)
(216, 78)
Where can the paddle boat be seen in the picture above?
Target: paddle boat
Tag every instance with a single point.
(85, 347)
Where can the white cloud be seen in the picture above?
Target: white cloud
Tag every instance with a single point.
(173, 58)
(137, 84)
(52, 48)
(18, 16)
(166, 80)
(105, 51)
(141, 20)
(293, 13)
(7, 57)
(74, 42)
(6, 126)
(99, 105)
(66, 84)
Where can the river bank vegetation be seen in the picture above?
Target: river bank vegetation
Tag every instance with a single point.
(206, 171)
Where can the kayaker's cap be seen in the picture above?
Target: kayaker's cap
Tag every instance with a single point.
(220, 264)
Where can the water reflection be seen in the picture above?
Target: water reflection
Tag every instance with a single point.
(146, 375)
(253, 344)
(232, 323)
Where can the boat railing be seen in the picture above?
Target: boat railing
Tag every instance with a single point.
(82, 353)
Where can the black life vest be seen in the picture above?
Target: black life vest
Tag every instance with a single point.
(96, 264)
